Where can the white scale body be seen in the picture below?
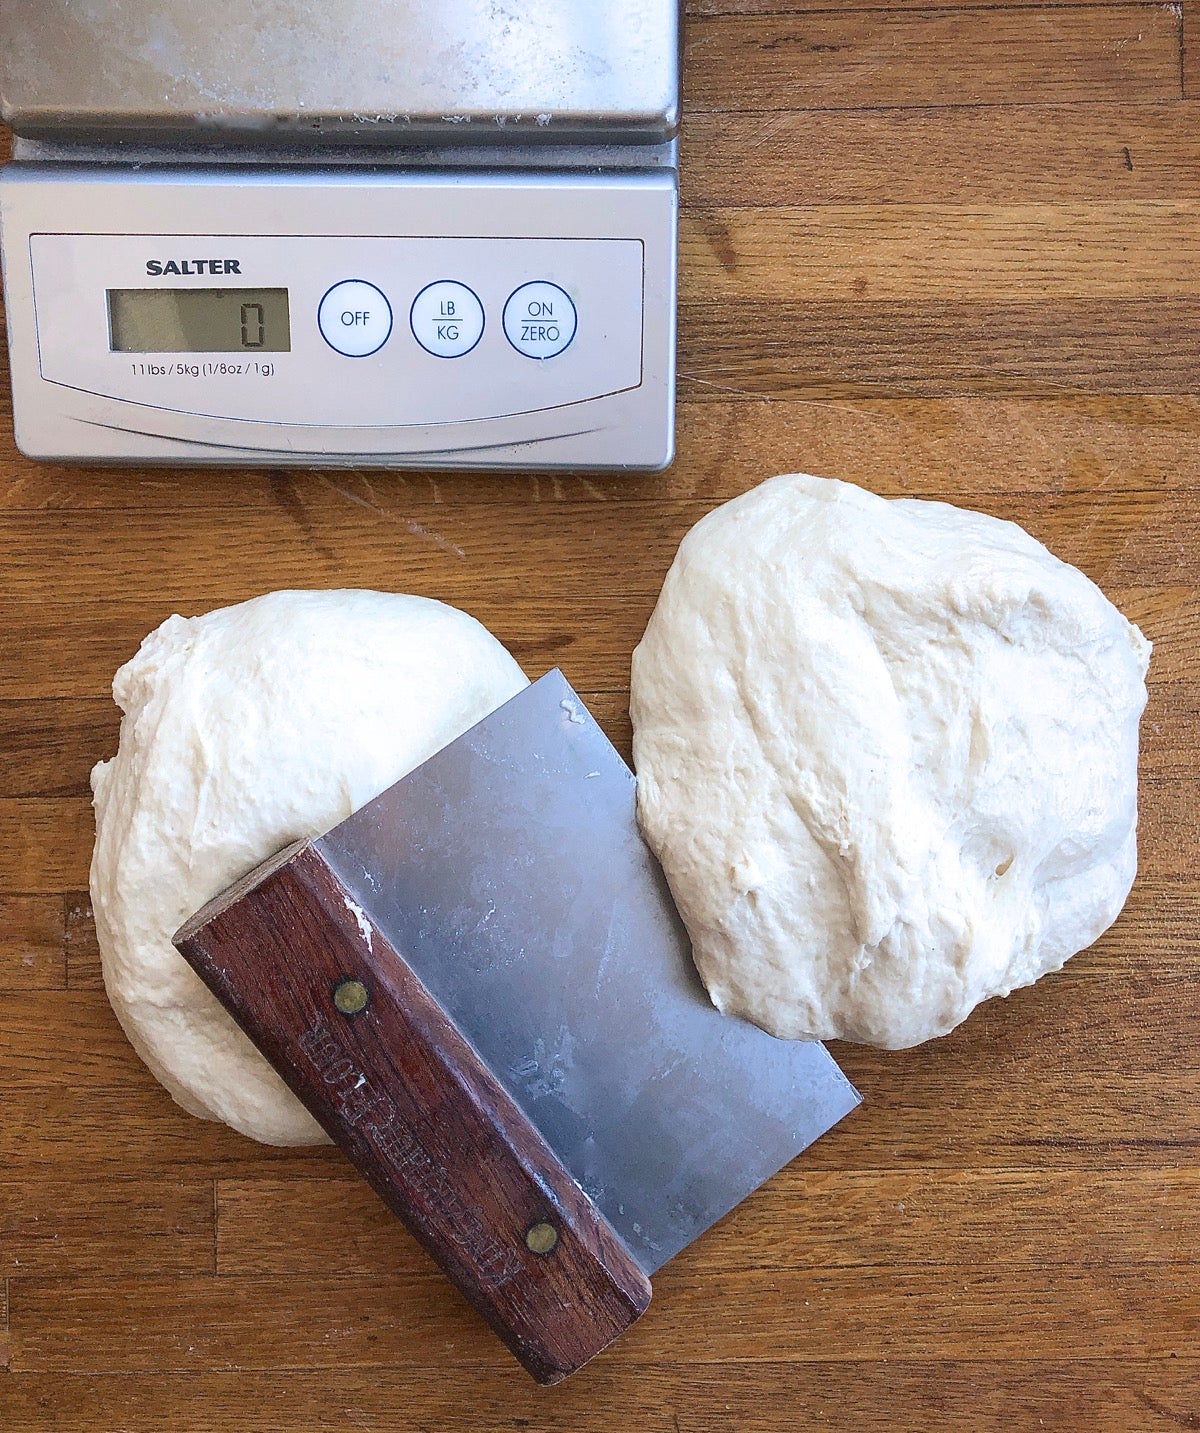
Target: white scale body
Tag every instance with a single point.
(592, 258)
(180, 291)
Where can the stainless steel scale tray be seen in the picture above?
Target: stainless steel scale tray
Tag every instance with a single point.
(392, 72)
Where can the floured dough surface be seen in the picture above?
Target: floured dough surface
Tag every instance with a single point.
(887, 755)
(244, 730)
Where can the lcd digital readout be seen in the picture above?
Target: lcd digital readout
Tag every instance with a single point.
(199, 321)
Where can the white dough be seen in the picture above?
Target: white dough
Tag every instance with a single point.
(244, 730)
(887, 755)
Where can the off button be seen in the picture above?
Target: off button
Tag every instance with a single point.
(539, 320)
(355, 318)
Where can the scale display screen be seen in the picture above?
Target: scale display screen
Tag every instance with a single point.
(199, 321)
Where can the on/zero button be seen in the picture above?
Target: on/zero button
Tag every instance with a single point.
(539, 319)
(355, 318)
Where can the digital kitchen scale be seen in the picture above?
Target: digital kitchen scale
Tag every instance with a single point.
(370, 232)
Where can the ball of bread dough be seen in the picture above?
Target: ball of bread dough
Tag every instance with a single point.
(887, 755)
(244, 730)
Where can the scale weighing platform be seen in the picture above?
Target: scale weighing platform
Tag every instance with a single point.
(372, 233)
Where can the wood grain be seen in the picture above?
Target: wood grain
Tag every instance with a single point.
(123, 1229)
(1133, 541)
(694, 9)
(1118, 250)
(818, 1218)
(116, 1132)
(1190, 41)
(40, 750)
(947, 347)
(991, 154)
(82, 950)
(48, 843)
(850, 59)
(364, 1321)
(32, 944)
(66, 1039)
(942, 249)
(976, 448)
(1129, 1395)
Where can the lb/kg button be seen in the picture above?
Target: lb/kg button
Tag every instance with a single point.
(447, 319)
(539, 320)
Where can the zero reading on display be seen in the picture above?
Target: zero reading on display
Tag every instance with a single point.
(199, 321)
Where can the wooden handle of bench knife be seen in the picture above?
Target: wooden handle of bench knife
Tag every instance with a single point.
(407, 1098)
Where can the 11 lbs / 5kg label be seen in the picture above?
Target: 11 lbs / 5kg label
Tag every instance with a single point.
(188, 368)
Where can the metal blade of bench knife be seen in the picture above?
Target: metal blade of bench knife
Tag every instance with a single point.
(510, 871)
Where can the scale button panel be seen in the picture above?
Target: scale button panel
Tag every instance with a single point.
(447, 319)
(355, 318)
(540, 320)
(134, 318)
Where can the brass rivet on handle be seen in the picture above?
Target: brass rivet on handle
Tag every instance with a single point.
(541, 1237)
(351, 996)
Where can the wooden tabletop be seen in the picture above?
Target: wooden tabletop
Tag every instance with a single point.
(941, 250)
